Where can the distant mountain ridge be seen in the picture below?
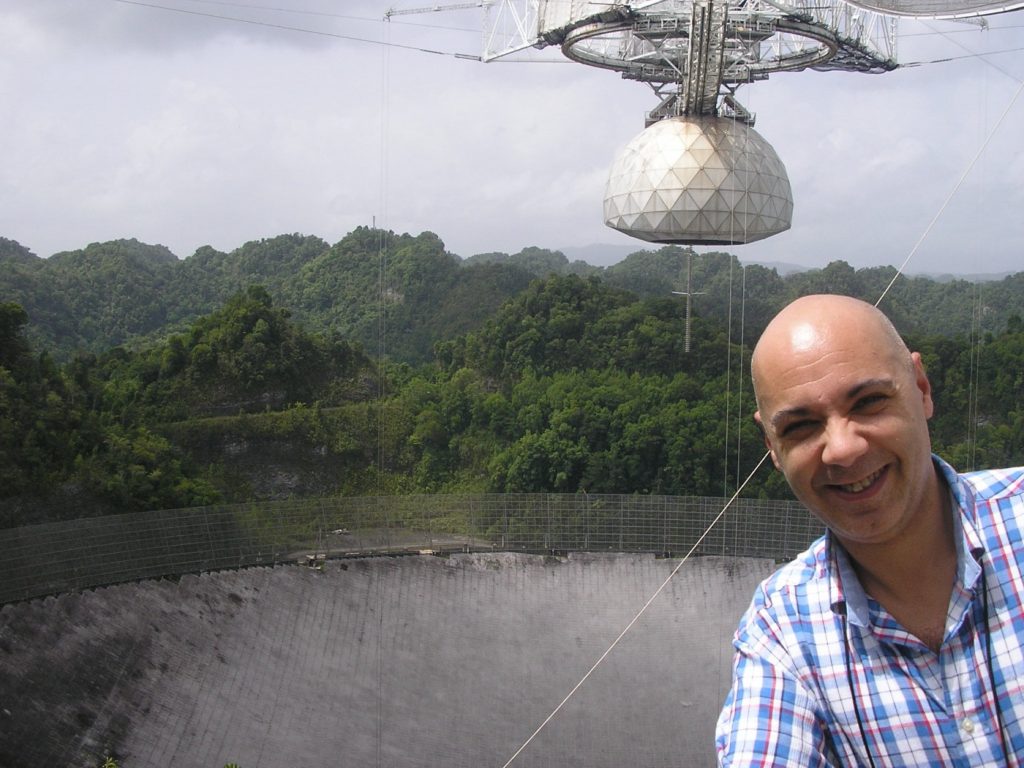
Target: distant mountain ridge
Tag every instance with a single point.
(412, 290)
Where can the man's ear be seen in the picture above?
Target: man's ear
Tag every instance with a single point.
(922, 383)
(767, 442)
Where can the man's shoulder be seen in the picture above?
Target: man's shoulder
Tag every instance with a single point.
(790, 608)
(993, 484)
(797, 583)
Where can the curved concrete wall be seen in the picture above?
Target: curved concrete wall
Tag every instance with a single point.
(406, 661)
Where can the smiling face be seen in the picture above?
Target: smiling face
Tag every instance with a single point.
(845, 407)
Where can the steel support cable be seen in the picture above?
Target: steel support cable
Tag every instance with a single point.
(382, 264)
(739, 424)
(286, 27)
(952, 193)
(728, 380)
(973, 381)
(324, 14)
(281, 9)
(728, 347)
(983, 56)
(739, 406)
(739, 490)
(728, 387)
(743, 302)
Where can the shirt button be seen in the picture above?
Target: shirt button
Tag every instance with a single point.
(967, 725)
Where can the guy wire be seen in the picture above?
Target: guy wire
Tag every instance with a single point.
(382, 267)
(956, 187)
(728, 390)
(974, 383)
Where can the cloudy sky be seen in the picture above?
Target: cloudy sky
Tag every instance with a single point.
(202, 122)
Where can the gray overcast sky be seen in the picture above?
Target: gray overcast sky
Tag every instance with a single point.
(124, 119)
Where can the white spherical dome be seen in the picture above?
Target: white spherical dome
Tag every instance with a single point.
(698, 181)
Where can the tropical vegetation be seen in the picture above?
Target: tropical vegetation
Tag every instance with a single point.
(132, 380)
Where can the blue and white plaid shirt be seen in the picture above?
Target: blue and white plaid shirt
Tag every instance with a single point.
(799, 687)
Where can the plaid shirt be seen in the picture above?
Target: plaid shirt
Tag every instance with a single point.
(800, 686)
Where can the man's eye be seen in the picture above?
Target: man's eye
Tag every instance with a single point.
(796, 427)
(869, 401)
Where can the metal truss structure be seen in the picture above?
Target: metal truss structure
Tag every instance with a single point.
(695, 53)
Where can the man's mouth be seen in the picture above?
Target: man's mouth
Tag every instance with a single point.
(862, 484)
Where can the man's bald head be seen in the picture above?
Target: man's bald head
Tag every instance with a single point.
(844, 406)
(814, 324)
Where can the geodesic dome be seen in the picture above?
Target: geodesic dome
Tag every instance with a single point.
(698, 181)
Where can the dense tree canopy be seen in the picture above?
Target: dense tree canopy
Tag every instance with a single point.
(62, 456)
(385, 364)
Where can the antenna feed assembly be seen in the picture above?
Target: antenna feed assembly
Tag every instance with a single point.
(706, 177)
(699, 173)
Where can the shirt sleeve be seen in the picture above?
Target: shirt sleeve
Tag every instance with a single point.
(770, 718)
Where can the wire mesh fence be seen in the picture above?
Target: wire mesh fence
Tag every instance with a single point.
(67, 556)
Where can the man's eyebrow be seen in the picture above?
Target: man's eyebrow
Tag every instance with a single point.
(788, 413)
(851, 394)
(880, 383)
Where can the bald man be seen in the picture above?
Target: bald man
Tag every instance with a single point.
(896, 639)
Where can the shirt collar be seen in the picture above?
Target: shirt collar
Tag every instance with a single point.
(850, 595)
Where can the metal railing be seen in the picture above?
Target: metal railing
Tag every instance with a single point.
(79, 554)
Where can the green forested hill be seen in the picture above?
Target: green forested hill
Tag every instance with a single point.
(400, 294)
(537, 261)
(109, 294)
(130, 379)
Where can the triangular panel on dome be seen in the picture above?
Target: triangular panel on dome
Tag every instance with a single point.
(701, 180)
(645, 203)
(730, 197)
(630, 205)
(684, 222)
(683, 176)
(699, 198)
(669, 198)
(644, 222)
(715, 176)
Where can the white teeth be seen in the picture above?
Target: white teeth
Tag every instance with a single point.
(861, 484)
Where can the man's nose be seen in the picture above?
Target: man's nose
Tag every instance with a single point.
(844, 443)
